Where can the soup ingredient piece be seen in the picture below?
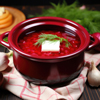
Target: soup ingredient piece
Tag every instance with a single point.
(3, 61)
(2, 10)
(93, 76)
(53, 46)
(51, 37)
(1, 78)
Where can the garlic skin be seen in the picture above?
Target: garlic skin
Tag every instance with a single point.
(3, 61)
(93, 76)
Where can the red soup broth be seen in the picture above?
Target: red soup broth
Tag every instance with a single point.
(26, 43)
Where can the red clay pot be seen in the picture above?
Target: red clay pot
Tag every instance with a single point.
(48, 70)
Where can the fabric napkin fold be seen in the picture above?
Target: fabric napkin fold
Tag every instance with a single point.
(17, 85)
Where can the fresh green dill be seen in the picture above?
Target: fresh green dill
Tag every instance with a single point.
(5, 39)
(51, 37)
(90, 20)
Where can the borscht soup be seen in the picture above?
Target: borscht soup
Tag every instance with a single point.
(48, 43)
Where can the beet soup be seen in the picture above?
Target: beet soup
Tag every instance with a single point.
(68, 43)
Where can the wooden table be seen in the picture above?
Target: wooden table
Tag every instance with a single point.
(89, 92)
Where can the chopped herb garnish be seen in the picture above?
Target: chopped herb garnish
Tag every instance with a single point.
(51, 37)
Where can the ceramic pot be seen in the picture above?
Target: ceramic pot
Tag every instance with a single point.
(47, 71)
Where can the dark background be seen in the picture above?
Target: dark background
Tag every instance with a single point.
(44, 2)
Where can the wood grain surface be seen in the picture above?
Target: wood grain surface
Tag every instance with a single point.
(89, 93)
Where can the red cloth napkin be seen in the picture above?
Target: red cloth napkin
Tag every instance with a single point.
(15, 83)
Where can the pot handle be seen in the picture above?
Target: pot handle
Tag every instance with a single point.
(2, 36)
(93, 42)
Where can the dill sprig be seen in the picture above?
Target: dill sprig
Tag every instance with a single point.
(5, 39)
(51, 37)
(89, 19)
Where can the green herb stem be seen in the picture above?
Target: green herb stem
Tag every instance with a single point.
(89, 19)
(51, 37)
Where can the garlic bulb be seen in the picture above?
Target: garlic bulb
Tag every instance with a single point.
(93, 76)
(3, 61)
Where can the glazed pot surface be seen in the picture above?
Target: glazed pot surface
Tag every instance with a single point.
(48, 70)
(49, 73)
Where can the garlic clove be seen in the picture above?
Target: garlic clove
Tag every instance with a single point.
(93, 76)
(3, 61)
(93, 67)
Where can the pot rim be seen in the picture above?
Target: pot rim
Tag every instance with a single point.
(79, 50)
